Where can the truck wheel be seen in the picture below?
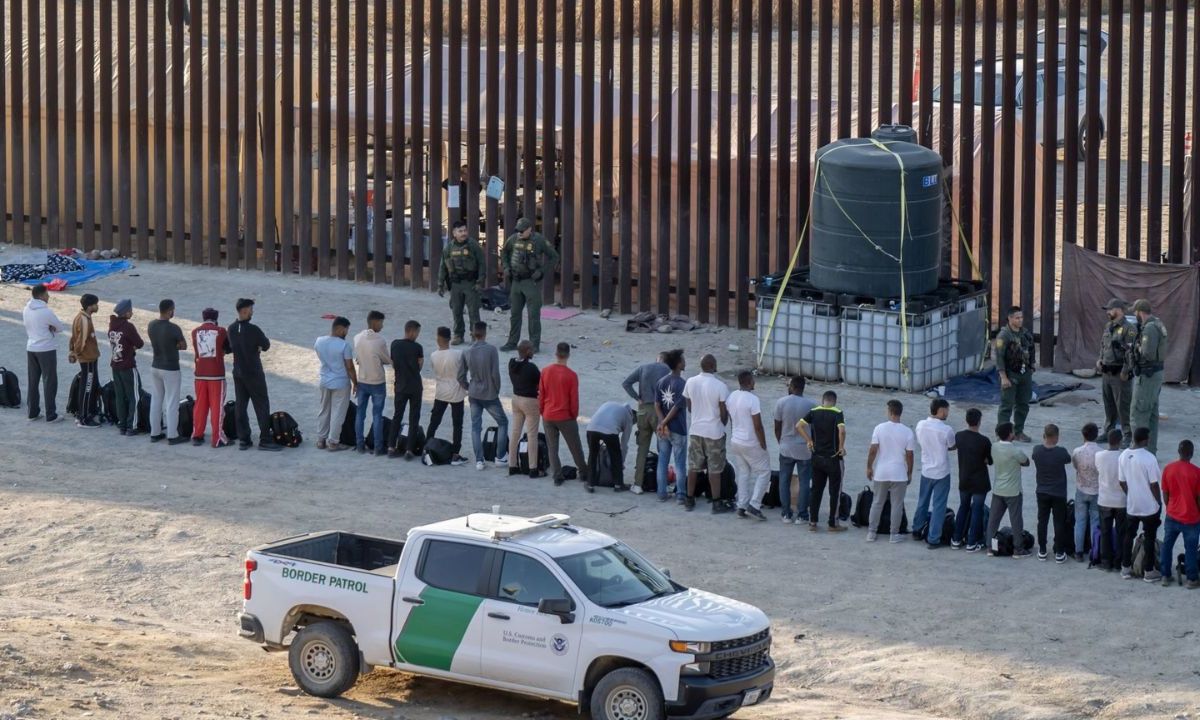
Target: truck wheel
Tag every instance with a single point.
(324, 659)
(627, 694)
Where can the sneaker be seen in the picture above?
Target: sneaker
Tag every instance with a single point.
(1080, 557)
(322, 445)
(479, 465)
(664, 498)
(1126, 573)
(812, 527)
(974, 548)
(336, 447)
(1192, 585)
(871, 537)
(157, 438)
(1153, 576)
(87, 424)
(1168, 581)
(741, 513)
(35, 417)
(933, 546)
(223, 444)
(1022, 554)
(720, 508)
(393, 453)
(681, 500)
(502, 461)
(801, 518)
(621, 487)
(54, 418)
(837, 528)
(458, 460)
(1042, 555)
(456, 340)
(178, 440)
(955, 545)
(133, 432)
(897, 538)
(1060, 558)
(198, 441)
(381, 453)
(787, 519)
(756, 514)
(991, 553)
(636, 489)
(507, 347)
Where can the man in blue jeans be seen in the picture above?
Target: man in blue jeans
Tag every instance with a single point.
(371, 352)
(480, 377)
(794, 455)
(1181, 495)
(672, 427)
(974, 455)
(936, 439)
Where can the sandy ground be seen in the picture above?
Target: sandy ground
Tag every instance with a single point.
(120, 561)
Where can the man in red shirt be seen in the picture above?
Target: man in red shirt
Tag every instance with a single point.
(558, 401)
(210, 342)
(1181, 493)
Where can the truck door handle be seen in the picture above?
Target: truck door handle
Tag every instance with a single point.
(413, 600)
(498, 616)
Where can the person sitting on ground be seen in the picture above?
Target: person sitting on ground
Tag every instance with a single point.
(1140, 477)
(482, 367)
(448, 363)
(1181, 494)
(748, 447)
(611, 425)
(1006, 491)
(125, 341)
(558, 404)
(824, 431)
(525, 377)
(1111, 498)
(1087, 487)
(936, 439)
(974, 455)
(889, 469)
(337, 380)
(1050, 462)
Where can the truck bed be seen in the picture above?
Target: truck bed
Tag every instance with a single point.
(360, 552)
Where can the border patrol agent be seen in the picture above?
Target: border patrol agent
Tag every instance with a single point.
(1014, 362)
(1149, 352)
(1114, 367)
(462, 274)
(526, 257)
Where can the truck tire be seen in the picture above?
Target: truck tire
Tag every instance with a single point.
(324, 659)
(627, 694)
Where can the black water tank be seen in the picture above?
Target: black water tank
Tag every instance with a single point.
(895, 133)
(857, 193)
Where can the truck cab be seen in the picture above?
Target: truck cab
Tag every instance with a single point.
(536, 606)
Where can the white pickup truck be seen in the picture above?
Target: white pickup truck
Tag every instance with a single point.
(530, 605)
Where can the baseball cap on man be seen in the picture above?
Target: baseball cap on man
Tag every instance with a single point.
(1142, 305)
(1116, 304)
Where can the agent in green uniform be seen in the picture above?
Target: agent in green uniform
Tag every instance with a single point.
(1114, 367)
(526, 258)
(1149, 352)
(1014, 362)
(462, 274)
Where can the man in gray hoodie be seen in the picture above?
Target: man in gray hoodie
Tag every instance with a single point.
(480, 377)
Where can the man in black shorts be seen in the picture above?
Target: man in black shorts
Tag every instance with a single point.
(824, 429)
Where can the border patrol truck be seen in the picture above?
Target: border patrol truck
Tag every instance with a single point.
(536, 606)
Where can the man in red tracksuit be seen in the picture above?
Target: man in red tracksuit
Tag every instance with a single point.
(210, 343)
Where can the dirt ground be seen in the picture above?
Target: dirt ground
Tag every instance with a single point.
(120, 561)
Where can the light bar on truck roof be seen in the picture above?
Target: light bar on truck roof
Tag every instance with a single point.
(499, 527)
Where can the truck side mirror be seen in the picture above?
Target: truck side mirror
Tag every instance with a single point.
(557, 606)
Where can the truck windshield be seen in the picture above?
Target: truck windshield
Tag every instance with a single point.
(616, 576)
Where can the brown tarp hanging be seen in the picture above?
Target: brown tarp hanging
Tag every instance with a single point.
(1089, 279)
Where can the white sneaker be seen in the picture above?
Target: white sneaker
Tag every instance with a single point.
(897, 538)
(871, 537)
(479, 465)
(502, 461)
(636, 489)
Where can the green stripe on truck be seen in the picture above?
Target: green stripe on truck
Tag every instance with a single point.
(433, 631)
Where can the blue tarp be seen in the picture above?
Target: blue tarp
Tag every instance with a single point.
(984, 387)
(92, 270)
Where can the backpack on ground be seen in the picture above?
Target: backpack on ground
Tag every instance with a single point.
(369, 438)
(570, 472)
(347, 436)
(10, 389)
(438, 451)
(285, 430)
(728, 485)
(187, 410)
(1140, 562)
(772, 498)
(845, 505)
(108, 402)
(948, 527)
(604, 471)
(862, 509)
(229, 423)
(494, 298)
(402, 439)
(650, 473)
(490, 440)
(1002, 542)
(143, 410)
(73, 399)
(543, 451)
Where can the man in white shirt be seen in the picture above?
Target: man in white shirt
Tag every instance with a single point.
(1112, 502)
(748, 447)
(889, 469)
(706, 395)
(1140, 476)
(936, 439)
(42, 327)
(448, 393)
(371, 353)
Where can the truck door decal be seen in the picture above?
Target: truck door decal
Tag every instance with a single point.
(434, 630)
